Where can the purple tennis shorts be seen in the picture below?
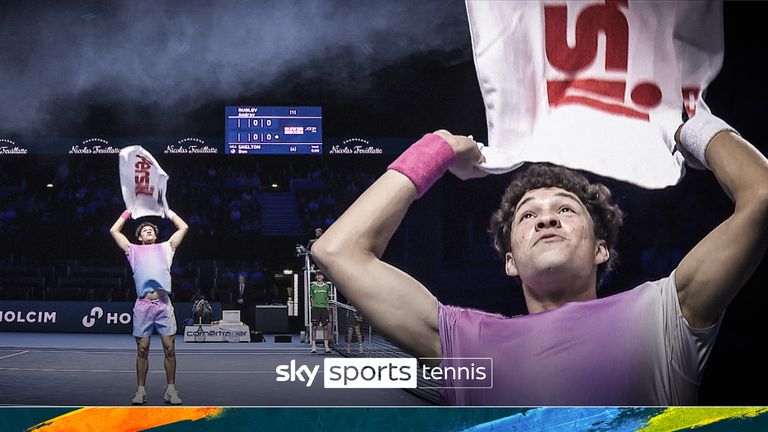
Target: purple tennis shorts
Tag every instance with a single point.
(157, 314)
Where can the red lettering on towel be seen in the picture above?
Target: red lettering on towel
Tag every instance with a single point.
(605, 95)
(141, 177)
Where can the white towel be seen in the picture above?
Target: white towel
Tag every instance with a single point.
(143, 183)
(598, 86)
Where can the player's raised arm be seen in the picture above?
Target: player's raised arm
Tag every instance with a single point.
(350, 251)
(116, 231)
(712, 273)
(181, 229)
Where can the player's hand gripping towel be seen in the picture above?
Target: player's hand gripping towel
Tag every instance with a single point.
(593, 85)
(143, 183)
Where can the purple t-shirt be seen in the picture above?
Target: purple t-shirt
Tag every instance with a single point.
(629, 349)
(151, 265)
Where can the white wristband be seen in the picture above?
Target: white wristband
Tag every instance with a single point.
(170, 214)
(699, 131)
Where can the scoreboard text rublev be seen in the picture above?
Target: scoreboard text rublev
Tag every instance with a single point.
(274, 130)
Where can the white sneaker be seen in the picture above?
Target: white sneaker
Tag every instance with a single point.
(140, 398)
(172, 397)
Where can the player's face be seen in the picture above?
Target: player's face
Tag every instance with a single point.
(553, 235)
(319, 277)
(147, 235)
(318, 232)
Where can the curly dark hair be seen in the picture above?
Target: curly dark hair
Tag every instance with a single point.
(146, 224)
(596, 197)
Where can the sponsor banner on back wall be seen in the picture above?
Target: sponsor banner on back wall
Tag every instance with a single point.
(80, 316)
(97, 146)
(189, 146)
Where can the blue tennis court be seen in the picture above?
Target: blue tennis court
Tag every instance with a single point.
(64, 369)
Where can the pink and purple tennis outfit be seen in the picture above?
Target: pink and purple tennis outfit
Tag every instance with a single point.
(629, 349)
(151, 265)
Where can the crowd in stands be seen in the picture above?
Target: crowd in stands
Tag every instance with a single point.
(56, 210)
(326, 193)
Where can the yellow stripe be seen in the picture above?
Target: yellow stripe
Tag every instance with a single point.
(674, 419)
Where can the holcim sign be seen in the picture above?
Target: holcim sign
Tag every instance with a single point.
(79, 317)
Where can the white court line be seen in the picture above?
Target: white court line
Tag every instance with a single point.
(133, 371)
(12, 355)
(244, 353)
(160, 352)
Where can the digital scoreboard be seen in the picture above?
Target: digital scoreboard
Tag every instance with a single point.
(273, 130)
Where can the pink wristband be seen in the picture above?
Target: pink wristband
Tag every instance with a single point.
(425, 161)
(126, 214)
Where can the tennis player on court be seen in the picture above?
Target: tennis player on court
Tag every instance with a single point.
(645, 346)
(151, 265)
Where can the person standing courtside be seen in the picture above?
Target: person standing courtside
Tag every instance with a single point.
(319, 294)
(243, 296)
(151, 265)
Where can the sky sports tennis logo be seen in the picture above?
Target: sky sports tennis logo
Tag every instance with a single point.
(391, 373)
